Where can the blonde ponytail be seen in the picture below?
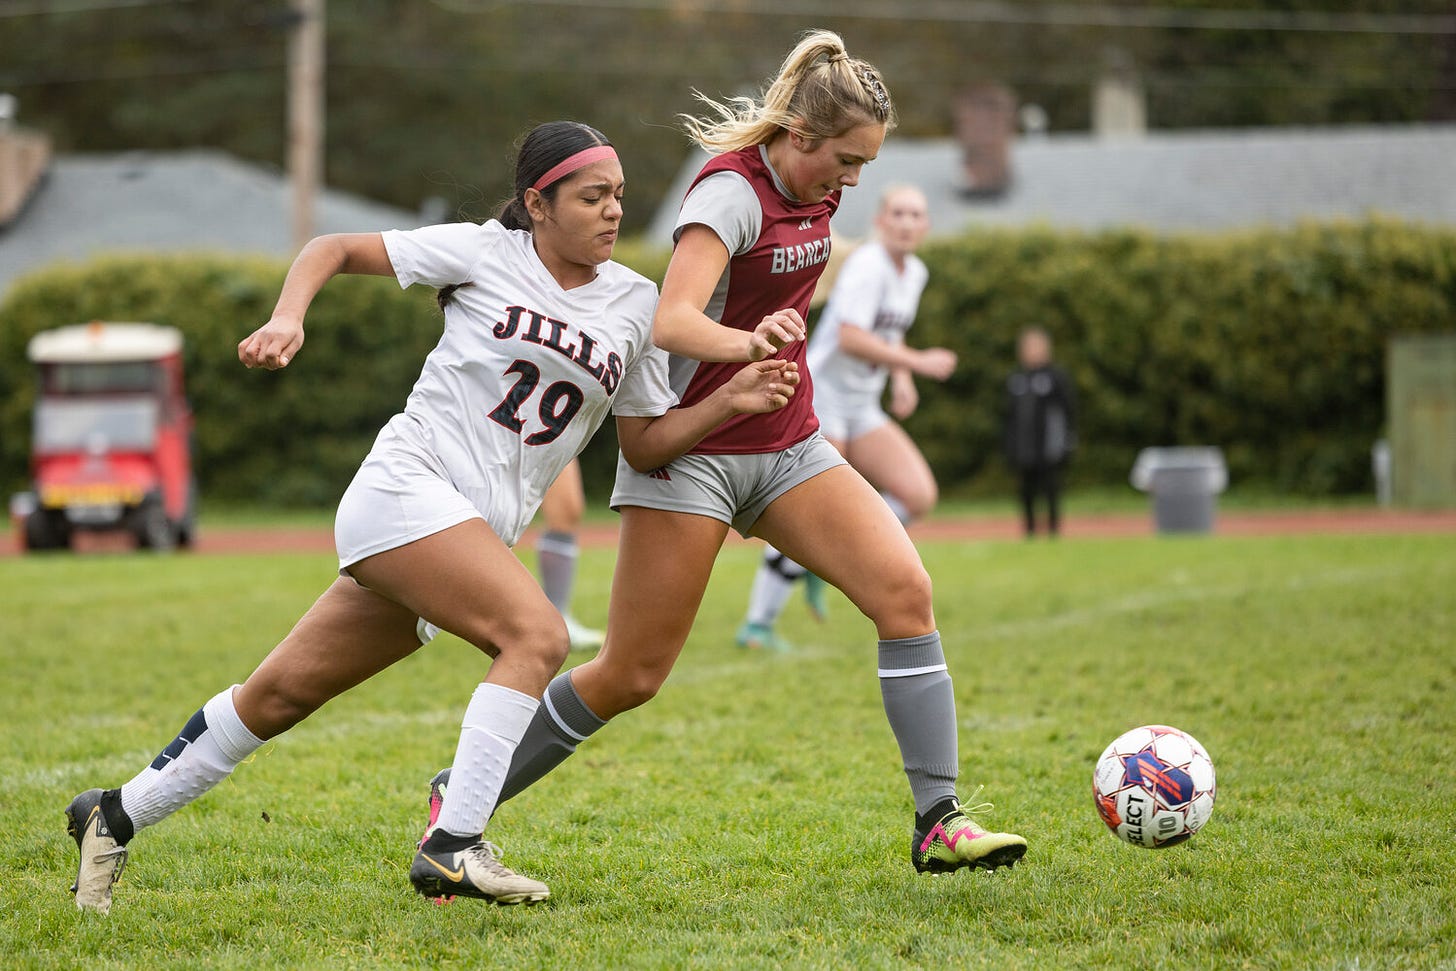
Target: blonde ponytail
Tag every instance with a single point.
(819, 92)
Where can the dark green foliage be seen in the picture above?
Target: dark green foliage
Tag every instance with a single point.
(290, 437)
(1268, 343)
(425, 99)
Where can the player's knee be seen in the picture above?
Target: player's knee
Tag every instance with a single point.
(531, 638)
(903, 606)
(921, 500)
(639, 690)
(277, 707)
(544, 650)
(634, 685)
(564, 514)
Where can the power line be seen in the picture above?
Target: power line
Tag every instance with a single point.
(235, 62)
(19, 8)
(267, 60)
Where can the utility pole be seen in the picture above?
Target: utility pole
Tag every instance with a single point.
(305, 113)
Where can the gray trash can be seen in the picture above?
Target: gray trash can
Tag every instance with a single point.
(1184, 483)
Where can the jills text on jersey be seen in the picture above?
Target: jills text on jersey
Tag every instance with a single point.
(570, 342)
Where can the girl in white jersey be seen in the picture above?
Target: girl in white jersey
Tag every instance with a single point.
(752, 241)
(543, 336)
(858, 347)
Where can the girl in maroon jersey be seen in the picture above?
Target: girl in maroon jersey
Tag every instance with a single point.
(751, 241)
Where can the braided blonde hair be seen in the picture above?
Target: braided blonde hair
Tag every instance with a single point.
(820, 92)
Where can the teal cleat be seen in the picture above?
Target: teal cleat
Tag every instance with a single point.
(761, 637)
(816, 596)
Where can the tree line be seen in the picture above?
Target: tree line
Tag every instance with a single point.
(424, 99)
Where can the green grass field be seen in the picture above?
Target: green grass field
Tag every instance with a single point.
(755, 815)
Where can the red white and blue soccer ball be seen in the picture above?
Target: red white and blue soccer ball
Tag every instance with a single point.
(1154, 786)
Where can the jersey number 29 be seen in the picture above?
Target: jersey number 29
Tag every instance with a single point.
(559, 404)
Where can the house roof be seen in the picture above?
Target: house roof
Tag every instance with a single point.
(1184, 180)
(201, 201)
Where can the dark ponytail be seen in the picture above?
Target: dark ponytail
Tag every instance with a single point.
(541, 150)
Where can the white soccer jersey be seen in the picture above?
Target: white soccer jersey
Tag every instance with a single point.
(525, 372)
(872, 294)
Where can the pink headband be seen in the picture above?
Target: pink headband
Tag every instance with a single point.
(578, 161)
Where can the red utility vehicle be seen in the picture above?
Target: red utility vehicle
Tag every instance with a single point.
(113, 431)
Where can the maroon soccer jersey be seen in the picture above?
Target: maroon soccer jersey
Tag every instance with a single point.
(778, 271)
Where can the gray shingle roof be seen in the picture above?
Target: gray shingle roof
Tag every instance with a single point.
(201, 201)
(1166, 180)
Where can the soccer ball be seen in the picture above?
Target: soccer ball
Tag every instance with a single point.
(1153, 786)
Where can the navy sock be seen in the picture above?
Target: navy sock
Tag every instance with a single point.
(443, 842)
(116, 818)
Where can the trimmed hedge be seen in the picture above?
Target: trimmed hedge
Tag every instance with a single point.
(1268, 343)
(289, 437)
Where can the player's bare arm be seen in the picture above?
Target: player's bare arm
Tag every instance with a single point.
(276, 343)
(681, 327)
(937, 363)
(904, 398)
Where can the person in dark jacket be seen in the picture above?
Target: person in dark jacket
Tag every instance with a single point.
(1040, 430)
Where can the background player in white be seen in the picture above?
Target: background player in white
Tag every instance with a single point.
(543, 336)
(856, 348)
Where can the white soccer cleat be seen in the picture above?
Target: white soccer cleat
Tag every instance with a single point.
(475, 871)
(102, 857)
(583, 638)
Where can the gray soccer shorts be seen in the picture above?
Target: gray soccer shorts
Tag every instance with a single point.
(733, 489)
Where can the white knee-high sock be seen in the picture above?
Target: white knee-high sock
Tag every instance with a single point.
(772, 585)
(492, 727)
(208, 748)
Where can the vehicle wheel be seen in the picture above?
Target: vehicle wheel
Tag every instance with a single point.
(187, 527)
(152, 527)
(47, 529)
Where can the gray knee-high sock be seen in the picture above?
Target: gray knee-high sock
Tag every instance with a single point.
(920, 704)
(556, 560)
(562, 721)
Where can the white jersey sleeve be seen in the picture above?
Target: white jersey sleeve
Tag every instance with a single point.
(437, 256)
(645, 391)
(726, 204)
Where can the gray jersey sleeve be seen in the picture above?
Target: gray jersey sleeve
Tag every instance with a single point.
(726, 204)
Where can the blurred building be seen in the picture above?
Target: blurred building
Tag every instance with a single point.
(1172, 181)
(81, 206)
